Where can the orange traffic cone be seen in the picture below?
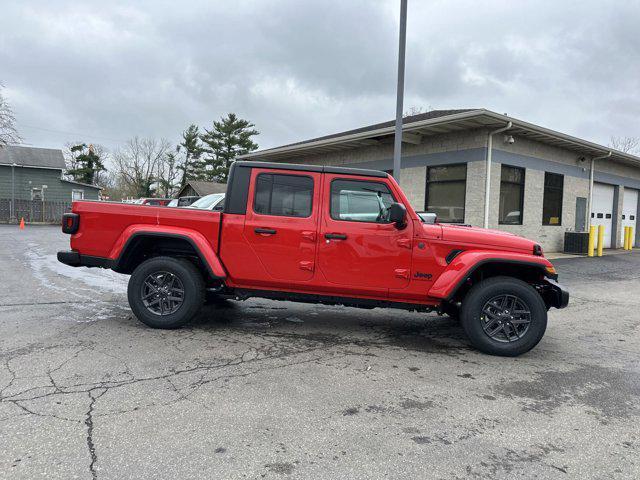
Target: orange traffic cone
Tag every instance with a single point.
(21, 223)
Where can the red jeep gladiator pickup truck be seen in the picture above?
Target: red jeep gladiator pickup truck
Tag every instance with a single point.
(319, 234)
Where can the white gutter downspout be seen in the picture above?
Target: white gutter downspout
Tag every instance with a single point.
(591, 172)
(487, 183)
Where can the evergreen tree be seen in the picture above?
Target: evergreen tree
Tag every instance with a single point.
(86, 164)
(229, 137)
(192, 167)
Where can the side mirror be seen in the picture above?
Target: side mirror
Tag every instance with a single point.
(398, 215)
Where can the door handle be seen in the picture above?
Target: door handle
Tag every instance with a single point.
(265, 231)
(335, 236)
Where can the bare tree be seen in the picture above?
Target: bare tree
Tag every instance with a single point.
(8, 132)
(138, 165)
(168, 174)
(416, 111)
(626, 144)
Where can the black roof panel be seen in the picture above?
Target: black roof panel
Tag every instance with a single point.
(313, 168)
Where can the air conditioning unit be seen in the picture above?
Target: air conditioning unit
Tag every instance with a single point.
(576, 242)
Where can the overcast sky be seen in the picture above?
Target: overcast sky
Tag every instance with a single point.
(103, 72)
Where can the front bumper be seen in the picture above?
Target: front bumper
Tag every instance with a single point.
(555, 295)
(74, 259)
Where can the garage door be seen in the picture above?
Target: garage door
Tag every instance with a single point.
(602, 210)
(630, 211)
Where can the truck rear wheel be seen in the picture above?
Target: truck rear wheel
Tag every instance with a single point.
(504, 316)
(165, 292)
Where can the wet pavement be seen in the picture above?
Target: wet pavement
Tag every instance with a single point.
(263, 389)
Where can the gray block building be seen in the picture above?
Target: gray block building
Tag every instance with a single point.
(541, 182)
(31, 184)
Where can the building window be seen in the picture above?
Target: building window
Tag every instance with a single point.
(77, 195)
(360, 201)
(552, 200)
(446, 190)
(511, 195)
(283, 195)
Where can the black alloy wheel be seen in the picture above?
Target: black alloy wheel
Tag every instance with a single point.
(505, 318)
(162, 293)
(166, 292)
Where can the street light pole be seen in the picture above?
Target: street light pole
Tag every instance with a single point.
(397, 144)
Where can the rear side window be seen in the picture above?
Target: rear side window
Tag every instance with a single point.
(283, 195)
(360, 201)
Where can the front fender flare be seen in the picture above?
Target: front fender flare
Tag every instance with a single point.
(467, 262)
(198, 241)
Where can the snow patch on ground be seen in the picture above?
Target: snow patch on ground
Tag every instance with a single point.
(46, 268)
(87, 288)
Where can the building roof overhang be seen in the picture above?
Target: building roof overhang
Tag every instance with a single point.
(465, 120)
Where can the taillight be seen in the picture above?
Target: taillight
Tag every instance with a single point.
(70, 223)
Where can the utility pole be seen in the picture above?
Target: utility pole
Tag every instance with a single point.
(397, 144)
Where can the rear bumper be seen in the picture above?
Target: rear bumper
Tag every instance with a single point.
(555, 294)
(74, 259)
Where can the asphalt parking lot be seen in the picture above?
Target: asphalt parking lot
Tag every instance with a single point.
(277, 390)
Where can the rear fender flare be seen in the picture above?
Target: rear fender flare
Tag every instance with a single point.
(198, 241)
(457, 272)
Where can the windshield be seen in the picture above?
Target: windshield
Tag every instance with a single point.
(173, 203)
(208, 201)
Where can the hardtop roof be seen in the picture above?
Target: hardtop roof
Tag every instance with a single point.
(313, 168)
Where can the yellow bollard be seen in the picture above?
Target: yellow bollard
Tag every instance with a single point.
(592, 240)
(600, 239)
(626, 238)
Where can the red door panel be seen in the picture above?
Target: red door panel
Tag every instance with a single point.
(281, 225)
(355, 252)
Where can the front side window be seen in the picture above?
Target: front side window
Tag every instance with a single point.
(283, 195)
(446, 190)
(552, 200)
(360, 201)
(511, 195)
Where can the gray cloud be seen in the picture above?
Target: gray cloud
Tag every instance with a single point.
(299, 69)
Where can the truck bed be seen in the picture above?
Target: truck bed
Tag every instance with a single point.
(105, 226)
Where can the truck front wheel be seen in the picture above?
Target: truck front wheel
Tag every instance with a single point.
(503, 316)
(165, 292)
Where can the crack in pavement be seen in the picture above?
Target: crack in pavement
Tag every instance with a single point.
(90, 426)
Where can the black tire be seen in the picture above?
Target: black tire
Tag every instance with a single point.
(188, 277)
(507, 342)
